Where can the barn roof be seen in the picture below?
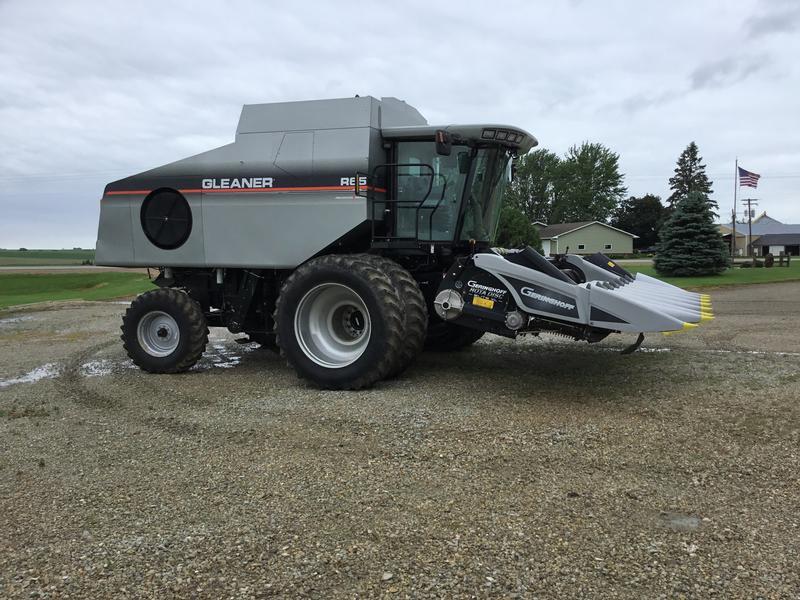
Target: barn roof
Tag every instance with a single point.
(778, 239)
(558, 229)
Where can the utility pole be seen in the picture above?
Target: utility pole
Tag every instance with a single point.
(750, 202)
(735, 188)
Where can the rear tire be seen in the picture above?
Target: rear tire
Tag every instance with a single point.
(449, 337)
(340, 322)
(414, 309)
(164, 331)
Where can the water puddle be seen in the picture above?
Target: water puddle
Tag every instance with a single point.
(97, 368)
(104, 366)
(656, 349)
(47, 371)
(679, 521)
(222, 356)
(13, 320)
(754, 352)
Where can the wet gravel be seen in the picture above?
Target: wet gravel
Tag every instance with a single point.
(537, 468)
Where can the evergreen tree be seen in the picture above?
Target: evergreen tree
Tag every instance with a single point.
(516, 230)
(690, 176)
(690, 243)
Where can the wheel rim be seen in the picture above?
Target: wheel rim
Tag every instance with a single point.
(158, 333)
(332, 325)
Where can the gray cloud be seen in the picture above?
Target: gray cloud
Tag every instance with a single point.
(93, 91)
(773, 17)
(647, 100)
(726, 71)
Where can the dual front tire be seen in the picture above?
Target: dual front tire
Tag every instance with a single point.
(349, 321)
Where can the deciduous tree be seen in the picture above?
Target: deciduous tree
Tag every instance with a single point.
(533, 189)
(641, 216)
(589, 186)
(515, 229)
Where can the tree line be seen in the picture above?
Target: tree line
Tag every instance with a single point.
(586, 185)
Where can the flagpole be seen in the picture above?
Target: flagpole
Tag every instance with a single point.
(735, 189)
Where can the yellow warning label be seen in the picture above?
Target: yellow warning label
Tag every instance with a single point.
(484, 302)
(611, 264)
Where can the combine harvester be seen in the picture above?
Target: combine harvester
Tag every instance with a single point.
(351, 234)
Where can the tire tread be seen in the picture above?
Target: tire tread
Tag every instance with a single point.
(197, 330)
(388, 300)
(414, 308)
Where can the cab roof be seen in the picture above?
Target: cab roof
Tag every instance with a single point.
(505, 135)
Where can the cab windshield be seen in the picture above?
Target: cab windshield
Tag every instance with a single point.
(475, 177)
(488, 178)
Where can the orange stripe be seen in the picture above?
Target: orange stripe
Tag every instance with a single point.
(324, 188)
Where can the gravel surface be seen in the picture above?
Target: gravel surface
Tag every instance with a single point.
(537, 468)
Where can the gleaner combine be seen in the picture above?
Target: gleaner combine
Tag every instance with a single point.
(351, 234)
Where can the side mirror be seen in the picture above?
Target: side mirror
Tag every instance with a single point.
(444, 144)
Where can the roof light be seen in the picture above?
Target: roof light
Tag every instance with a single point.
(488, 134)
(501, 135)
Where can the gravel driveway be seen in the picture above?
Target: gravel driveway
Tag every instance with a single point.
(537, 468)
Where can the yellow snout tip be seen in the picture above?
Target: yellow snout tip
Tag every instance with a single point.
(685, 327)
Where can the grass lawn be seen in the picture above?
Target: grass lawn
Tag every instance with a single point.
(734, 276)
(26, 288)
(23, 258)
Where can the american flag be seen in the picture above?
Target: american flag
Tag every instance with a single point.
(748, 179)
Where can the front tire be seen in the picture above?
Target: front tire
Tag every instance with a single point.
(340, 322)
(164, 331)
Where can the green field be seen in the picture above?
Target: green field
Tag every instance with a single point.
(27, 288)
(736, 276)
(35, 258)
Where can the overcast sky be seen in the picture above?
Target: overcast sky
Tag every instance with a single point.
(94, 91)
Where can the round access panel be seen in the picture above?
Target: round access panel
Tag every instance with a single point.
(166, 218)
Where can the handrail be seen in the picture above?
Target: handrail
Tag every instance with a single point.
(419, 204)
(435, 208)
